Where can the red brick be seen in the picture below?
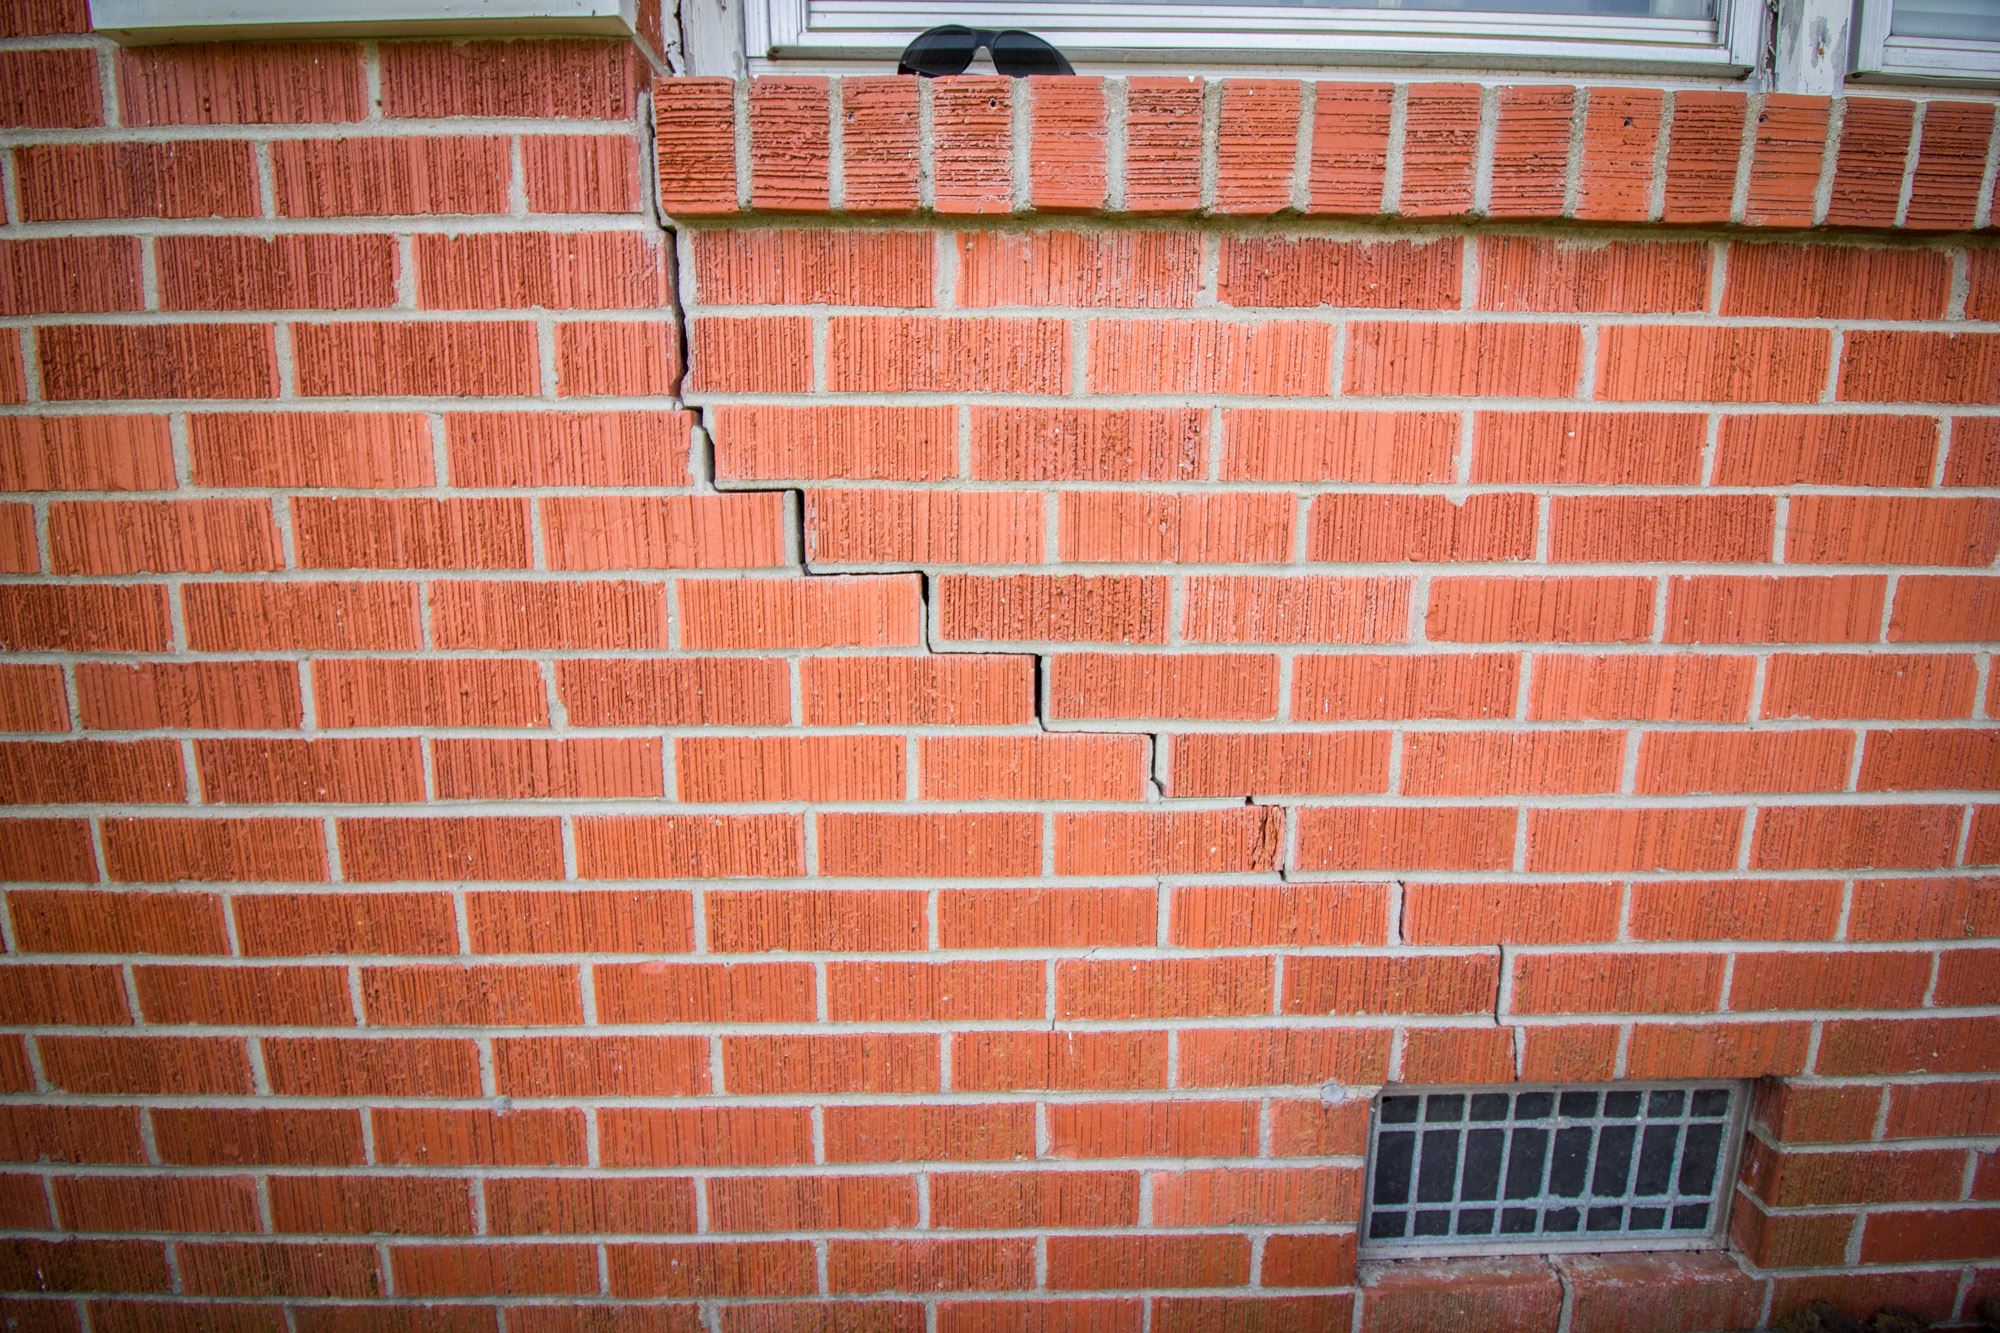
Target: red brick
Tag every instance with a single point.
(1162, 988)
(1951, 162)
(927, 845)
(50, 88)
(310, 449)
(879, 119)
(1883, 685)
(1076, 444)
(70, 274)
(1273, 444)
(1250, 1196)
(1447, 914)
(1517, 360)
(568, 448)
(1655, 528)
(1440, 148)
(435, 693)
(1868, 168)
(704, 993)
(687, 846)
(1785, 161)
(1873, 530)
(628, 358)
(1405, 984)
(1547, 274)
(1067, 145)
(1940, 1110)
(1097, 1263)
(782, 768)
(90, 771)
(1811, 837)
(941, 992)
(511, 615)
(1930, 758)
(1650, 687)
(1288, 764)
(608, 692)
(82, 921)
(1035, 1200)
(1531, 150)
(1510, 763)
(1703, 761)
(1923, 909)
(1973, 458)
(1758, 609)
(1169, 842)
(1405, 837)
(1903, 1046)
(859, 611)
(798, 266)
(1694, 838)
(1708, 363)
(577, 79)
(281, 273)
(580, 173)
(1944, 608)
(231, 1136)
(148, 1066)
(1128, 685)
(931, 1265)
(614, 1066)
(1060, 607)
(1163, 145)
(712, 1268)
(484, 994)
(998, 1131)
(278, 1268)
(998, 1061)
(853, 443)
(84, 1265)
(1316, 1259)
(266, 83)
(452, 360)
(812, 1203)
(55, 850)
(694, 124)
(1735, 909)
(1045, 918)
(365, 1205)
(1382, 528)
(455, 848)
(393, 177)
(1076, 268)
(890, 353)
(1878, 366)
(826, 1063)
(63, 994)
(33, 698)
(1350, 148)
(1457, 1055)
(761, 921)
(266, 616)
(636, 1205)
(242, 850)
(1558, 610)
(1842, 980)
(86, 453)
(1917, 1235)
(1659, 983)
(1268, 609)
(789, 143)
(1704, 145)
(1121, 527)
(586, 769)
(924, 527)
(128, 536)
(1659, 1293)
(185, 178)
(217, 695)
(553, 270)
(245, 996)
(1790, 450)
(972, 128)
(439, 1136)
(589, 921)
(960, 690)
(1621, 134)
(1281, 358)
(387, 1067)
(1808, 1113)
(724, 1136)
(1256, 142)
(303, 924)
(125, 361)
(1381, 686)
(987, 768)
(1836, 282)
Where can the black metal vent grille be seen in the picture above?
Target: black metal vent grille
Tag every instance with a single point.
(1585, 1168)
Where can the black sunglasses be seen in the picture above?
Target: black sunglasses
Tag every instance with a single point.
(949, 49)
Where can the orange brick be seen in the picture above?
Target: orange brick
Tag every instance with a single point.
(436, 693)
(268, 83)
(1922, 909)
(508, 615)
(1696, 838)
(731, 1268)
(1191, 842)
(205, 695)
(1546, 274)
(694, 121)
(128, 536)
(1894, 366)
(580, 173)
(1445, 914)
(1052, 607)
(972, 164)
(1284, 444)
(622, 358)
(1269, 609)
(789, 143)
(1283, 358)
(1401, 984)
(568, 448)
(1557, 610)
(641, 1205)
(1405, 837)
(999, 1131)
(1283, 764)
(76, 618)
(1509, 763)
(398, 358)
(1440, 143)
(1045, 918)
(1067, 145)
(390, 176)
(923, 527)
(497, 769)
(1139, 527)
(460, 847)
(1774, 450)
(86, 453)
(1785, 162)
(1309, 271)
(1450, 360)
(1262, 1057)
(1087, 444)
(157, 361)
(900, 353)
(1204, 1128)
(716, 692)
(1163, 145)
(302, 924)
(596, 270)
(1704, 145)
(1735, 909)
(847, 442)
(386, 1067)
(1150, 270)
(270, 615)
(1641, 529)
(1587, 448)
(772, 354)
(723, 1136)
(1944, 188)
(1131, 988)
(245, 996)
(1681, 687)
(761, 921)
(1000, 1061)
(278, 273)
(1004, 846)
(1255, 146)
(1382, 528)
(1237, 916)
(1884, 685)
(1621, 133)
(1134, 685)
(1531, 151)
(310, 449)
(879, 120)
(842, 1062)
(1812, 837)
(934, 992)
(1944, 608)
(960, 690)
(1664, 983)
(1867, 173)
(1707, 761)
(152, 851)
(1381, 686)
(564, 921)
(1705, 363)
(1060, 768)
(1035, 1200)
(815, 768)
(1349, 153)
(576, 79)
(1789, 609)
(616, 1066)
(1457, 1055)
(1251, 1196)
(687, 846)
(1873, 530)
(860, 611)
(1836, 282)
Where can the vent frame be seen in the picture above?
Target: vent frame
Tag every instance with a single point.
(1582, 1241)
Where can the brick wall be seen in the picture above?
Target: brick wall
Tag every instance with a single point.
(951, 808)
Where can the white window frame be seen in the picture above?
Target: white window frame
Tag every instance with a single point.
(1881, 56)
(1199, 35)
(139, 21)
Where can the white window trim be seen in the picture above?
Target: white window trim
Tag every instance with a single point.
(1125, 30)
(223, 20)
(1881, 56)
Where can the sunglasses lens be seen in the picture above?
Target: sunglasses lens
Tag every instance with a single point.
(946, 50)
(1022, 53)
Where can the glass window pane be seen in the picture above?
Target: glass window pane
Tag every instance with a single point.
(1963, 20)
